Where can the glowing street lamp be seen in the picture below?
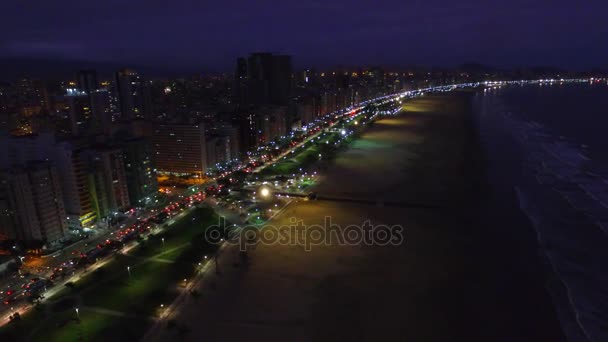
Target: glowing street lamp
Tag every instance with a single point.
(265, 192)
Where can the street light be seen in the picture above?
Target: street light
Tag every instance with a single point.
(77, 314)
(265, 192)
(129, 270)
(163, 240)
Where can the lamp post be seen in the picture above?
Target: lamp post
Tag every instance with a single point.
(77, 314)
(129, 270)
(265, 192)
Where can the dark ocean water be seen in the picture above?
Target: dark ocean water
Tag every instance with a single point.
(548, 145)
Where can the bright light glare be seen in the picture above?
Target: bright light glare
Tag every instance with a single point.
(265, 192)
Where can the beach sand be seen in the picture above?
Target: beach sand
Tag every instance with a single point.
(457, 276)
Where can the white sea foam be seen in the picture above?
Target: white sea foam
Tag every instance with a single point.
(565, 196)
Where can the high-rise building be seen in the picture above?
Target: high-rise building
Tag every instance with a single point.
(33, 198)
(87, 80)
(81, 114)
(180, 149)
(264, 79)
(5, 102)
(107, 170)
(231, 134)
(7, 224)
(248, 131)
(240, 82)
(306, 109)
(281, 80)
(89, 111)
(79, 193)
(93, 179)
(101, 110)
(139, 168)
(218, 150)
(133, 95)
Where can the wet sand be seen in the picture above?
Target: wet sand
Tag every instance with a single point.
(452, 279)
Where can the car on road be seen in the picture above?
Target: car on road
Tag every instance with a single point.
(37, 286)
(11, 296)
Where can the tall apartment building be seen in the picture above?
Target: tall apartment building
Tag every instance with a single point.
(263, 79)
(32, 196)
(107, 171)
(89, 111)
(180, 149)
(133, 95)
(139, 168)
(87, 80)
(231, 134)
(93, 179)
(72, 161)
(218, 150)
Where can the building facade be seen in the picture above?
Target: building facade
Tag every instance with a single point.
(139, 168)
(108, 175)
(180, 149)
(133, 95)
(33, 197)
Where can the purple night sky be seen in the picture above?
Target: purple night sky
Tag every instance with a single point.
(211, 34)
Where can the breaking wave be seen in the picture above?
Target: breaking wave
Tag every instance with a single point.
(564, 193)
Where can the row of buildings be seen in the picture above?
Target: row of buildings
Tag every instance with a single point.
(50, 186)
(70, 161)
(77, 151)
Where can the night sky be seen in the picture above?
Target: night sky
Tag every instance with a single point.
(211, 34)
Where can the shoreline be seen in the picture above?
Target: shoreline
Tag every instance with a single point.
(522, 252)
(568, 242)
(447, 280)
